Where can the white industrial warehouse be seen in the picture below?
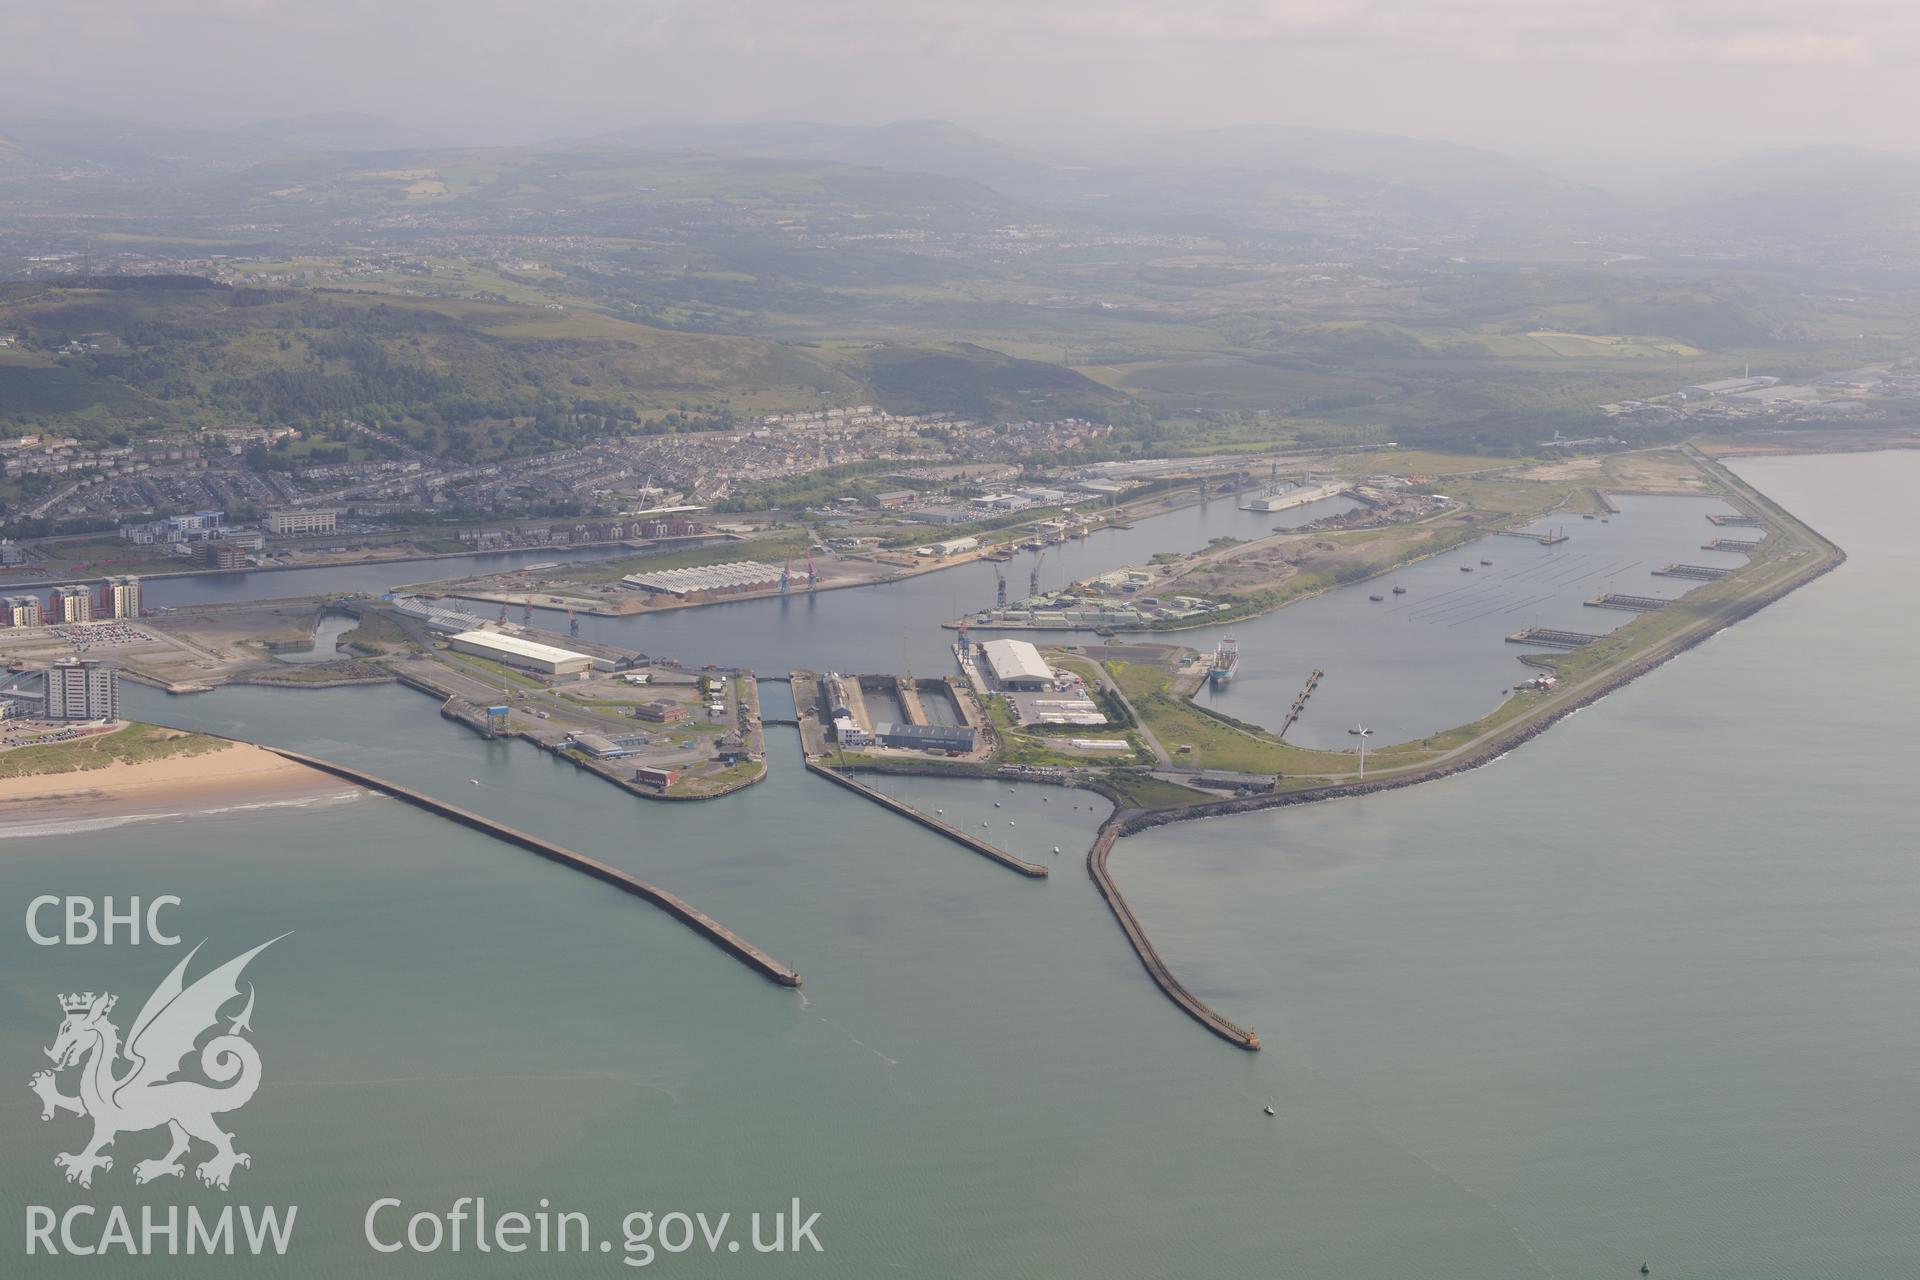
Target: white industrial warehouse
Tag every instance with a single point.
(713, 579)
(517, 651)
(1017, 664)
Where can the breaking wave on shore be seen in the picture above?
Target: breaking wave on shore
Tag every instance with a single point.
(110, 821)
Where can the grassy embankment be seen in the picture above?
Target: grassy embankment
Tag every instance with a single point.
(497, 673)
(1216, 744)
(315, 673)
(376, 635)
(731, 778)
(138, 743)
(1144, 791)
(1789, 554)
(1789, 550)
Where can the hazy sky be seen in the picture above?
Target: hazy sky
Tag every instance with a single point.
(1674, 77)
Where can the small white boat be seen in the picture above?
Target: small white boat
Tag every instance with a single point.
(1009, 821)
(474, 781)
(996, 804)
(1270, 1108)
(939, 811)
(1056, 848)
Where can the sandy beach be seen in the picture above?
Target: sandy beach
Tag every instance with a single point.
(238, 774)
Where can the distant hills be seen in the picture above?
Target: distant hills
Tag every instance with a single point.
(474, 294)
(1256, 178)
(336, 131)
(38, 143)
(1815, 197)
(587, 189)
(1790, 168)
(977, 382)
(1475, 182)
(1260, 181)
(912, 146)
(463, 378)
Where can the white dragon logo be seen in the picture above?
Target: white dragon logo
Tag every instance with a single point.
(146, 1095)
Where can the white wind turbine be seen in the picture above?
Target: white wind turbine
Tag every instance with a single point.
(1361, 732)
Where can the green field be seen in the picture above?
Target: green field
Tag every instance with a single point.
(1141, 791)
(1177, 722)
(136, 744)
(683, 290)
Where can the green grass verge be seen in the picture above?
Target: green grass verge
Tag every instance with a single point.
(1143, 791)
(320, 672)
(1176, 722)
(376, 634)
(727, 779)
(488, 669)
(136, 744)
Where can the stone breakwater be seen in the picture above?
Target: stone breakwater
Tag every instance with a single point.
(1130, 821)
(1493, 748)
(1032, 870)
(721, 936)
(1177, 991)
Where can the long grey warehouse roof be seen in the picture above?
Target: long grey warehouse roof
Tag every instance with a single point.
(961, 735)
(711, 577)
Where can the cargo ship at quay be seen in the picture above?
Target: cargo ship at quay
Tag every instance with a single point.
(1226, 662)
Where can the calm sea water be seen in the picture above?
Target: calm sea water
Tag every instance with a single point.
(1644, 990)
